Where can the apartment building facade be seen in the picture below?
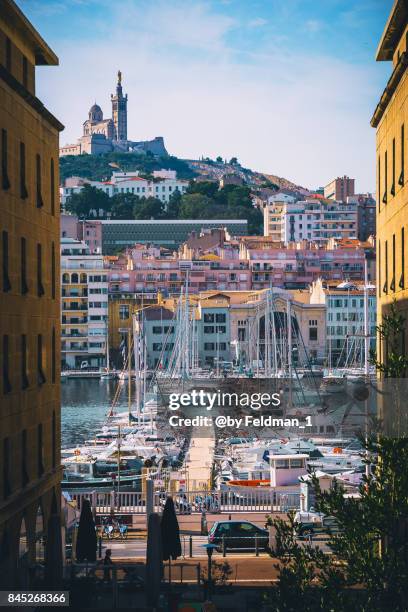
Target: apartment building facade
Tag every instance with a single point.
(225, 325)
(390, 119)
(30, 473)
(211, 328)
(316, 220)
(246, 307)
(340, 189)
(150, 269)
(250, 263)
(297, 265)
(84, 306)
(366, 214)
(213, 333)
(345, 325)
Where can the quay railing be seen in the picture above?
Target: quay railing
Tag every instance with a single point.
(243, 499)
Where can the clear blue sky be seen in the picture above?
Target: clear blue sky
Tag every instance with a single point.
(287, 86)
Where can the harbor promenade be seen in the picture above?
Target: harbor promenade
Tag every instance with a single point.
(199, 459)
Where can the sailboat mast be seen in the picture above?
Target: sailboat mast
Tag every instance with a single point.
(289, 330)
(129, 372)
(107, 346)
(267, 334)
(218, 353)
(289, 323)
(144, 355)
(258, 353)
(119, 441)
(366, 329)
(136, 350)
(274, 340)
(187, 330)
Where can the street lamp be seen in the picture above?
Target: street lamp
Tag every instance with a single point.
(210, 549)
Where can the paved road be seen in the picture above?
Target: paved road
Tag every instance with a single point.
(191, 523)
(244, 567)
(135, 548)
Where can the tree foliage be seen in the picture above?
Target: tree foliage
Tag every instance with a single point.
(123, 205)
(149, 208)
(369, 560)
(202, 200)
(368, 567)
(267, 184)
(100, 167)
(207, 188)
(88, 202)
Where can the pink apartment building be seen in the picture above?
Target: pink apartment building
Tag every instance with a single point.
(213, 259)
(149, 269)
(298, 265)
(244, 265)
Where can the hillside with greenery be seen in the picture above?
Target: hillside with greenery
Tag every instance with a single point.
(202, 200)
(215, 169)
(100, 167)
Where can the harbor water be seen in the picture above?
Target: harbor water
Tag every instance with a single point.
(84, 406)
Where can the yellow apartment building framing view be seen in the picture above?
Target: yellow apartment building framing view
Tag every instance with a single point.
(391, 121)
(30, 307)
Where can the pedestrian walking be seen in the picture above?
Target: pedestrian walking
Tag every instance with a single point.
(107, 564)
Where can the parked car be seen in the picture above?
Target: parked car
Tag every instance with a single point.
(314, 523)
(307, 520)
(238, 535)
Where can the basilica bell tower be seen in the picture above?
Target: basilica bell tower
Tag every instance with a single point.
(119, 111)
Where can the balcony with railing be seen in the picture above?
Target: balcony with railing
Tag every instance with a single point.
(74, 321)
(94, 264)
(74, 293)
(119, 277)
(74, 346)
(67, 336)
(74, 307)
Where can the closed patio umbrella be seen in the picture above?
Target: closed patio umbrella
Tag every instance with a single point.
(170, 532)
(154, 562)
(86, 540)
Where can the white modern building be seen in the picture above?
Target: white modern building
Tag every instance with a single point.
(281, 197)
(315, 220)
(163, 185)
(84, 306)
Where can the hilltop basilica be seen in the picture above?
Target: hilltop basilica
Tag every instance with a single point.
(104, 135)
